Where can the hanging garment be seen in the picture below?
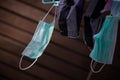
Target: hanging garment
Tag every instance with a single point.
(69, 17)
(115, 10)
(40, 40)
(107, 6)
(92, 21)
(105, 41)
(62, 12)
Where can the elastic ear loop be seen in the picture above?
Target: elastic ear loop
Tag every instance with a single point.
(21, 68)
(55, 4)
(48, 13)
(91, 66)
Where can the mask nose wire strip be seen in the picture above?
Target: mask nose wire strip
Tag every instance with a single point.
(91, 66)
(21, 68)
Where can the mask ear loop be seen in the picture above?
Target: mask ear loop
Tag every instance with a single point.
(48, 13)
(21, 68)
(91, 66)
(55, 4)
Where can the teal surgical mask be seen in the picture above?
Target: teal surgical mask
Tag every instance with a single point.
(105, 41)
(40, 40)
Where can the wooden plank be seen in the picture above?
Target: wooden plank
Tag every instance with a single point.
(77, 46)
(68, 62)
(3, 77)
(19, 21)
(68, 56)
(114, 74)
(55, 40)
(24, 10)
(61, 66)
(37, 71)
(116, 58)
(37, 4)
(47, 61)
(14, 74)
(27, 9)
(14, 33)
(53, 49)
(74, 43)
(103, 75)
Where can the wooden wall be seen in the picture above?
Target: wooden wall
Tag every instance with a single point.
(63, 59)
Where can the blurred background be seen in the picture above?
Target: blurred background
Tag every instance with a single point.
(63, 59)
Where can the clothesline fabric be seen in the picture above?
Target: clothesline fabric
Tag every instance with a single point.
(69, 15)
(92, 20)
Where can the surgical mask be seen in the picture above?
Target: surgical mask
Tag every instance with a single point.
(40, 40)
(105, 41)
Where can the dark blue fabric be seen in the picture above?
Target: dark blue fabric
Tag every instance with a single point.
(92, 20)
(62, 17)
(69, 16)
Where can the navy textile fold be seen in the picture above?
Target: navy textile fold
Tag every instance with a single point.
(92, 21)
(69, 14)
